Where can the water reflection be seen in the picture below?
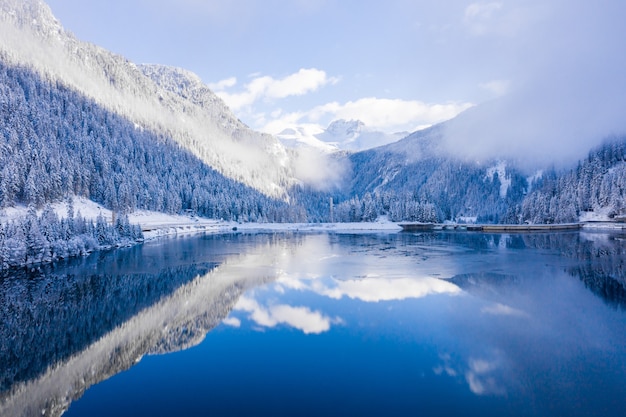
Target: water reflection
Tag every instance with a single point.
(501, 316)
(75, 324)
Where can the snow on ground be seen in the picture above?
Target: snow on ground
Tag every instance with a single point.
(598, 215)
(380, 226)
(155, 224)
(87, 209)
(505, 181)
(604, 226)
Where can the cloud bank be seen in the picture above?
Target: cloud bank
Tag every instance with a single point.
(567, 89)
(265, 87)
(386, 114)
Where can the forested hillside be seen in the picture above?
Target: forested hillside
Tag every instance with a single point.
(414, 180)
(57, 143)
(164, 100)
(597, 185)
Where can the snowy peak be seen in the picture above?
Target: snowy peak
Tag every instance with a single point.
(340, 135)
(305, 136)
(348, 129)
(32, 14)
(354, 135)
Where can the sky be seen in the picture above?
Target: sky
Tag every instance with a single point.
(543, 76)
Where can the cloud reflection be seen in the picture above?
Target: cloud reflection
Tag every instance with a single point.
(373, 290)
(503, 310)
(481, 379)
(483, 376)
(301, 318)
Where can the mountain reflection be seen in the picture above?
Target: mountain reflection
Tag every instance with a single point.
(73, 325)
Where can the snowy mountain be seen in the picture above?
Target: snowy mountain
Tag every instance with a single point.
(163, 100)
(353, 135)
(415, 172)
(306, 137)
(340, 135)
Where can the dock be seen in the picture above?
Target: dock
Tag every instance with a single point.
(491, 228)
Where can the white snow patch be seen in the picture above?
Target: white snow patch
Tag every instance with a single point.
(467, 219)
(599, 214)
(505, 181)
(87, 209)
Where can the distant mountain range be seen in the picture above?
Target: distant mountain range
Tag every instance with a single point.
(79, 120)
(340, 135)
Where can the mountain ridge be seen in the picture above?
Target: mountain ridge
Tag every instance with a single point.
(200, 122)
(341, 135)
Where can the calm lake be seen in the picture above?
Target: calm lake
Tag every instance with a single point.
(433, 324)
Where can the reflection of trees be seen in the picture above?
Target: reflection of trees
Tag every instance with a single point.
(603, 269)
(63, 332)
(62, 313)
(598, 260)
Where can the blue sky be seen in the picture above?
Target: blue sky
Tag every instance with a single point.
(396, 65)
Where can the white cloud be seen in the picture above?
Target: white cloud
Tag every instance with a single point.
(386, 113)
(483, 376)
(223, 84)
(300, 83)
(301, 318)
(379, 113)
(265, 87)
(232, 321)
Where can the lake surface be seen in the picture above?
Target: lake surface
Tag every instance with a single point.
(435, 324)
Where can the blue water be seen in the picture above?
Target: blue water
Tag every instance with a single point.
(437, 324)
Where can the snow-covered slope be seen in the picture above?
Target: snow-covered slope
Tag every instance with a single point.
(340, 135)
(160, 99)
(306, 136)
(353, 135)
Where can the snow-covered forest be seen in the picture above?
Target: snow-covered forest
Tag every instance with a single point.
(57, 142)
(597, 184)
(411, 180)
(44, 238)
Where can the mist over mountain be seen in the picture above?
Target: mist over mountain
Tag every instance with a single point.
(340, 135)
(564, 92)
(354, 135)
